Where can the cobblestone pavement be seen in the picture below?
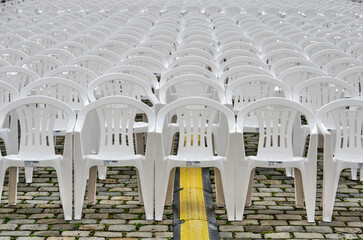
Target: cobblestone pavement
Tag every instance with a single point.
(118, 213)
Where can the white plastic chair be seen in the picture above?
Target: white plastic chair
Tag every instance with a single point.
(184, 70)
(60, 54)
(28, 47)
(93, 63)
(80, 75)
(326, 56)
(195, 117)
(337, 66)
(148, 63)
(40, 64)
(284, 64)
(75, 48)
(193, 61)
(107, 54)
(190, 86)
(7, 40)
(138, 72)
(17, 77)
(272, 57)
(242, 61)
(347, 153)
(9, 131)
(276, 118)
(12, 56)
(145, 52)
(37, 116)
(295, 75)
(354, 76)
(356, 50)
(190, 52)
(114, 139)
(237, 72)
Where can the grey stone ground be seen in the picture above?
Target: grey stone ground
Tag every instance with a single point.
(118, 214)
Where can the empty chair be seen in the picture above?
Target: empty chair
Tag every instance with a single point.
(295, 75)
(195, 118)
(107, 54)
(43, 39)
(60, 54)
(356, 50)
(80, 75)
(326, 56)
(237, 72)
(183, 70)
(145, 52)
(40, 64)
(246, 90)
(95, 64)
(354, 76)
(191, 52)
(9, 131)
(75, 48)
(190, 85)
(17, 77)
(242, 61)
(193, 61)
(347, 153)
(148, 63)
(30, 48)
(287, 63)
(37, 117)
(276, 118)
(120, 84)
(12, 56)
(138, 72)
(113, 136)
(277, 55)
(337, 66)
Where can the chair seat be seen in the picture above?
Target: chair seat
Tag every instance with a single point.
(33, 158)
(192, 158)
(113, 157)
(294, 159)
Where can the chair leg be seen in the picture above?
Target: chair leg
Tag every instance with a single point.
(161, 178)
(147, 186)
(228, 180)
(170, 191)
(250, 187)
(141, 200)
(354, 173)
(330, 186)
(309, 185)
(13, 177)
(288, 172)
(80, 182)
(299, 190)
(102, 172)
(28, 174)
(2, 177)
(361, 174)
(242, 183)
(219, 188)
(64, 175)
(92, 181)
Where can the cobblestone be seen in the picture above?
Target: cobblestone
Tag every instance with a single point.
(272, 214)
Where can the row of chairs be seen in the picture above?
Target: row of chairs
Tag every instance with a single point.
(208, 137)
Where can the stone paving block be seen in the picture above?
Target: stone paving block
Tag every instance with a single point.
(319, 229)
(280, 235)
(308, 235)
(15, 233)
(34, 227)
(122, 228)
(248, 235)
(8, 227)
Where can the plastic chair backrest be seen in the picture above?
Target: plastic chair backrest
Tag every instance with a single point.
(116, 118)
(348, 120)
(190, 86)
(276, 119)
(67, 91)
(195, 117)
(37, 116)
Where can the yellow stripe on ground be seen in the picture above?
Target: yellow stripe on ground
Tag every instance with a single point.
(192, 206)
